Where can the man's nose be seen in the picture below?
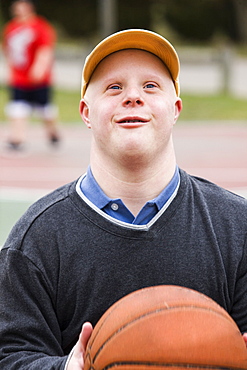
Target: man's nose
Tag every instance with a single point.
(133, 97)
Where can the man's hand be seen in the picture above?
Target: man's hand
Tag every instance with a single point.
(76, 361)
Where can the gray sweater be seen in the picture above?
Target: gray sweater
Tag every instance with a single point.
(64, 264)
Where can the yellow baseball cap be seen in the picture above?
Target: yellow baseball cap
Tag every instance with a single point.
(133, 39)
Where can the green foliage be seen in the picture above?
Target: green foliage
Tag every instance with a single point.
(134, 14)
(80, 18)
(192, 20)
(76, 17)
(199, 20)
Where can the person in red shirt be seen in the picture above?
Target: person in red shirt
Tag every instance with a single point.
(28, 44)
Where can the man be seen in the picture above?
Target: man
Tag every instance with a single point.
(134, 220)
(28, 43)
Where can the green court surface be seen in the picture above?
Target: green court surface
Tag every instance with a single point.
(10, 212)
(12, 207)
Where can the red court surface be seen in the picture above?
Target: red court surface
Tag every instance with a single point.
(215, 152)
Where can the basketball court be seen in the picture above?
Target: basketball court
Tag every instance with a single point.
(215, 151)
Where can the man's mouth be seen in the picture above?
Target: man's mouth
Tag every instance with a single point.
(132, 120)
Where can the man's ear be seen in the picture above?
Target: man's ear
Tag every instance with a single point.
(178, 109)
(84, 112)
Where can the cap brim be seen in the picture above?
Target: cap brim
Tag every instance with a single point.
(133, 39)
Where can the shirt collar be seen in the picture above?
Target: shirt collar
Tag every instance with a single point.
(95, 194)
(93, 191)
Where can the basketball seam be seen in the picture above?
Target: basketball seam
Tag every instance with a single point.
(140, 292)
(162, 365)
(151, 313)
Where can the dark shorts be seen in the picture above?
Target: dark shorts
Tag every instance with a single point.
(38, 96)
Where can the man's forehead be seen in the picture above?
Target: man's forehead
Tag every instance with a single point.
(144, 57)
(117, 67)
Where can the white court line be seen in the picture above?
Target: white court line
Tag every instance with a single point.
(21, 194)
(41, 174)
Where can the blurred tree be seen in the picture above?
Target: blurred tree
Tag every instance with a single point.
(240, 15)
(107, 17)
(81, 18)
(193, 20)
(203, 19)
(78, 18)
(134, 14)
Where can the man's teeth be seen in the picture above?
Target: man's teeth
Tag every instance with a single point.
(132, 121)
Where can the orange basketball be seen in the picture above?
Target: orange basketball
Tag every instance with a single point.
(166, 327)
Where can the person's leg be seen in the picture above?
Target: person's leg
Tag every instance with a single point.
(50, 115)
(18, 113)
(48, 112)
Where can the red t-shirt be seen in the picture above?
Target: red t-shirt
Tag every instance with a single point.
(21, 42)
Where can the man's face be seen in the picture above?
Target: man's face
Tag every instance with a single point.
(131, 106)
(21, 9)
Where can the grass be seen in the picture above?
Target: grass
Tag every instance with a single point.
(219, 107)
(68, 103)
(213, 107)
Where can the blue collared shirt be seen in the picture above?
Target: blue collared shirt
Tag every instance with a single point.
(116, 208)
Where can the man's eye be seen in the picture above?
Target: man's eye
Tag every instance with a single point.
(114, 87)
(149, 86)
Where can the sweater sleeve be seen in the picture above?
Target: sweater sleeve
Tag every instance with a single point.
(30, 332)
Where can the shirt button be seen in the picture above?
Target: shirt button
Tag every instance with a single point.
(114, 206)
